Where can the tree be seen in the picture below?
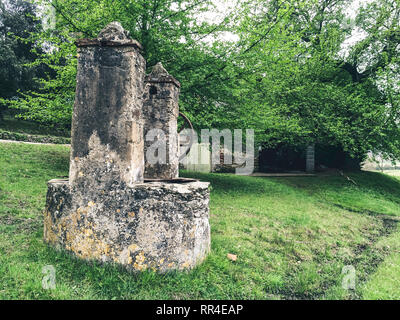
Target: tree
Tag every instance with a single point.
(168, 30)
(304, 90)
(17, 21)
(286, 76)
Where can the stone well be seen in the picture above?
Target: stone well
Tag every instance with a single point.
(107, 211)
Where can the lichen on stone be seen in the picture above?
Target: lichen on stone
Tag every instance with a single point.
(113, 31)
(158, 70)
(105, 211)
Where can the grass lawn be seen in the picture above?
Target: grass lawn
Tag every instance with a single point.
(292, 237)
(12, 124)
(20, 130)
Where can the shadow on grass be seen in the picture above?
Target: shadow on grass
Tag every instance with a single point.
(44, 158)
(29, 127)
(56, 160)
(366, 182)
(223, 183)
(112, 281)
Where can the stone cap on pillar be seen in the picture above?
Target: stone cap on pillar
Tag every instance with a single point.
(159, 75)
(113, 35)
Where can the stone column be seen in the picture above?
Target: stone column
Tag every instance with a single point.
(107, 128)
(310, 158)
(161, 111)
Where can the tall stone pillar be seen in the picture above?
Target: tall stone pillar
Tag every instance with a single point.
(161, 111)
(107, 128)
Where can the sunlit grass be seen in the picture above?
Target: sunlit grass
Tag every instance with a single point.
(292, 236)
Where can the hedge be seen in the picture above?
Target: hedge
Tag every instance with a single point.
(7, 135)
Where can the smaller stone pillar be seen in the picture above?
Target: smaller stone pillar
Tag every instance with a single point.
(310, 158)
(107, 128)
(161, 111)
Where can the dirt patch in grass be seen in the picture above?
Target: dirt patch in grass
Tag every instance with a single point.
(366, 258)
(27, 225)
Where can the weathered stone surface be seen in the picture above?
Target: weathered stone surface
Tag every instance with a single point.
(154, 225)
(113, 35)
(113, 32)
(107, 125)
(161, 111)
(106, 211)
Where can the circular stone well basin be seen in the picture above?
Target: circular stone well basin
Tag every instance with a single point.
(161, 225)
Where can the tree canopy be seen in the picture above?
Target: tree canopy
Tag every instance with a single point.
(290, 72)
(17, 22)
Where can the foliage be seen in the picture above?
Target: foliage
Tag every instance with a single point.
(17, 22)
(308, 90)
(168, 30)
(291, 74)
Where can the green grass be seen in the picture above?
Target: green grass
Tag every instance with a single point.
(385, 282)
(292, 237)
(20, 130)
(11, 124)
